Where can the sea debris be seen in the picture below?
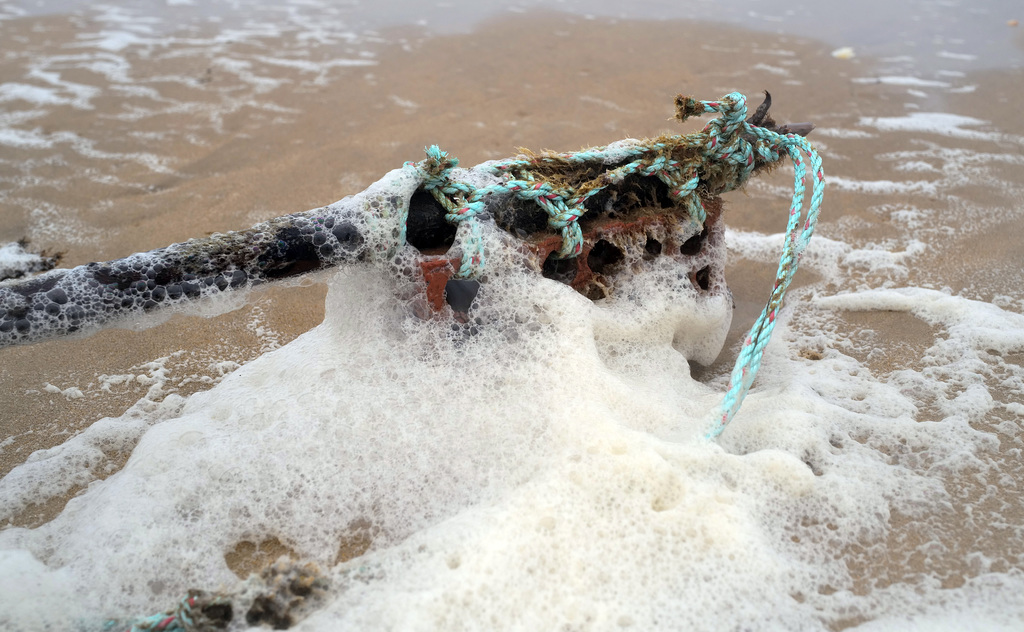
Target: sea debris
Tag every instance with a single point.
(845, 52)
(16, 261)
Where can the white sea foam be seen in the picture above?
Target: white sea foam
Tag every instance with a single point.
(565, 484)
(80, 95)
(973, 324)
(902, 81)
(611, 105)
(32, 94)
(945, 54)
(113, 41)
(838, 132)
(403, 103)
(15, 261)
(28, 139)
(774, 70)
(548, 471)
(941, 123)
(306, 65)
(919, 166)
(830, 258)
(881, 187)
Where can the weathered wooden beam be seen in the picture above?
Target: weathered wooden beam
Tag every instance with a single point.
(359, 229)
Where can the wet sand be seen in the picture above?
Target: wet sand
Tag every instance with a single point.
(479, 96)
(565, 84)
(570, 84)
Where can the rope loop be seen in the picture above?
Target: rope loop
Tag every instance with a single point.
(462, 204)
(799, 230)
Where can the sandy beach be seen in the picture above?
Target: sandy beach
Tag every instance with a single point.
(145, 145)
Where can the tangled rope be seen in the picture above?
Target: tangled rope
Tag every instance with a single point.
(198, 611)
(799, 230)
(718, 159)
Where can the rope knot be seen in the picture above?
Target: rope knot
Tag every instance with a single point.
(716, 160)
(687, 107)
(437, 166)
(462, 203)
(733, 108)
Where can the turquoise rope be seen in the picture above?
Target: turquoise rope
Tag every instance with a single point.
(177, 620)
(723, 141)
(799, 230)
(463, 203)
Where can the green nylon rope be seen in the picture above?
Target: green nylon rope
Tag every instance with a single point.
(725, 148)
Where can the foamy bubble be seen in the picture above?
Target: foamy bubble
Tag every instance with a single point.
(17, 262)
(933, 123)
(544, 470)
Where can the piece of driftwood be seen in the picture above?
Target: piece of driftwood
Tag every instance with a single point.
(368, 228)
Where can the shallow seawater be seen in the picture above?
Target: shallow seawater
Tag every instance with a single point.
(550, 471)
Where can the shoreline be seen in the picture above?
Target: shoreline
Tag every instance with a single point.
(926, 192)
(216, 191)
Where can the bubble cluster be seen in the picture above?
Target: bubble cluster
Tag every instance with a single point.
(623, 239)
(90, 296)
